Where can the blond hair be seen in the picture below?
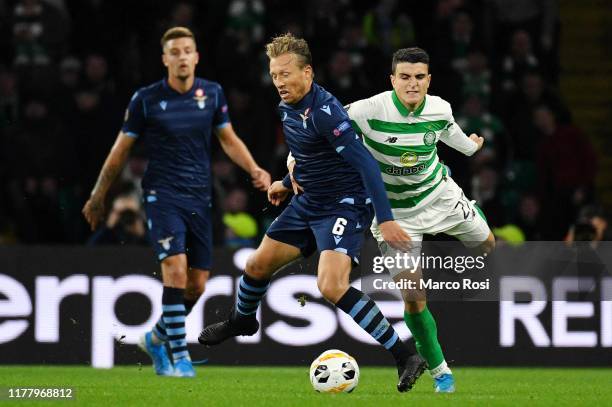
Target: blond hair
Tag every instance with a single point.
(288, 44)
(174, 33)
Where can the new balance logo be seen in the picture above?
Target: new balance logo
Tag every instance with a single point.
(391, 140)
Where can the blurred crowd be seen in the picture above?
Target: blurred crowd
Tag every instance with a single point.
(68, 68)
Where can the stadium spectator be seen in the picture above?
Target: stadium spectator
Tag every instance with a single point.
(591, 225)
(519, 110)
(566, 167)
(349, 84)
(39, 30)
(35, 164)
(491, 42)
(129, 229)
(378, 25)
(485, 190)
(475, 118)
(519, 60)
(530, 217)
(247, 16)
(540, 19)
(476, 78)
(240, 227)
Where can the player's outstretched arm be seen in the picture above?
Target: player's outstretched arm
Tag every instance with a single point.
(94, 207)
(455, 138)
(238, 152)
(359, 158)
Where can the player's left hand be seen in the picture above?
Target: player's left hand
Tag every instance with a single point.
(477, 139)
(261, 179)
(277, 193)
(94, 211)
(395, 236)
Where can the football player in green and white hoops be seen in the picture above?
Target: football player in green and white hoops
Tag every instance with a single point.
(401, 129)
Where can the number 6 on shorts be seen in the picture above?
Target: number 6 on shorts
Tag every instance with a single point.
(338, 228)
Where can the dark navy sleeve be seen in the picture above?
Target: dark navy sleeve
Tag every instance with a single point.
(332, 122)
(221, 118)
(287, 181)
(134, 119)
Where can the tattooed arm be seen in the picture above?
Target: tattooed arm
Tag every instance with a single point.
(94, 207)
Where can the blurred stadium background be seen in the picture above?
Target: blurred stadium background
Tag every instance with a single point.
(531, 76)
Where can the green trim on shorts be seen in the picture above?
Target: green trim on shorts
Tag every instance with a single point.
(481, 213)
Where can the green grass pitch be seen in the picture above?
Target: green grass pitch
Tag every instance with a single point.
(282, 386)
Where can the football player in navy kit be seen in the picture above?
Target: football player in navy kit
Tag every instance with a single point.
(175, 117)
(343, 189)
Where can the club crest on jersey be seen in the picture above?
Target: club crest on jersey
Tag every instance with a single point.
(200, 97)
(305, 117)
(429, 139)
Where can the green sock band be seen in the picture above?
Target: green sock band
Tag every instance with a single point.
(425, 333)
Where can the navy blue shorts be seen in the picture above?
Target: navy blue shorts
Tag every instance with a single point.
(180, 226)
(338, 226)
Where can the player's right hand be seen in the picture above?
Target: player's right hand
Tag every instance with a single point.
(277, 193)
(94, 211)
(477, 139)
(395, 236)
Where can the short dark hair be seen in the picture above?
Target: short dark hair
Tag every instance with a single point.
(176, 32)
(413, 55)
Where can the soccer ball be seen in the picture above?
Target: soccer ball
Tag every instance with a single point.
(334, 371)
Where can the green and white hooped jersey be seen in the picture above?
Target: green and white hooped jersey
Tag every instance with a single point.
(404, 144)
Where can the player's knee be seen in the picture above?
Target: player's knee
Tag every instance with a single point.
(331, 289)
(414, 307)
(488, 245)
(256, 267)
(174, 269)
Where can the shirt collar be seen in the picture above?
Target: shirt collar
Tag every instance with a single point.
(191, 90)
(403, 109)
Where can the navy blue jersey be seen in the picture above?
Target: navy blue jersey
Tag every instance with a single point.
(330, 160)
(314, 129)
(176, 129)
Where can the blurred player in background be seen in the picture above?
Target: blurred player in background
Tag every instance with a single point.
(401, 129)
(175, 117)
(342, 184)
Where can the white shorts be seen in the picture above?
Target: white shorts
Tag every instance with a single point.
(451, 213)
